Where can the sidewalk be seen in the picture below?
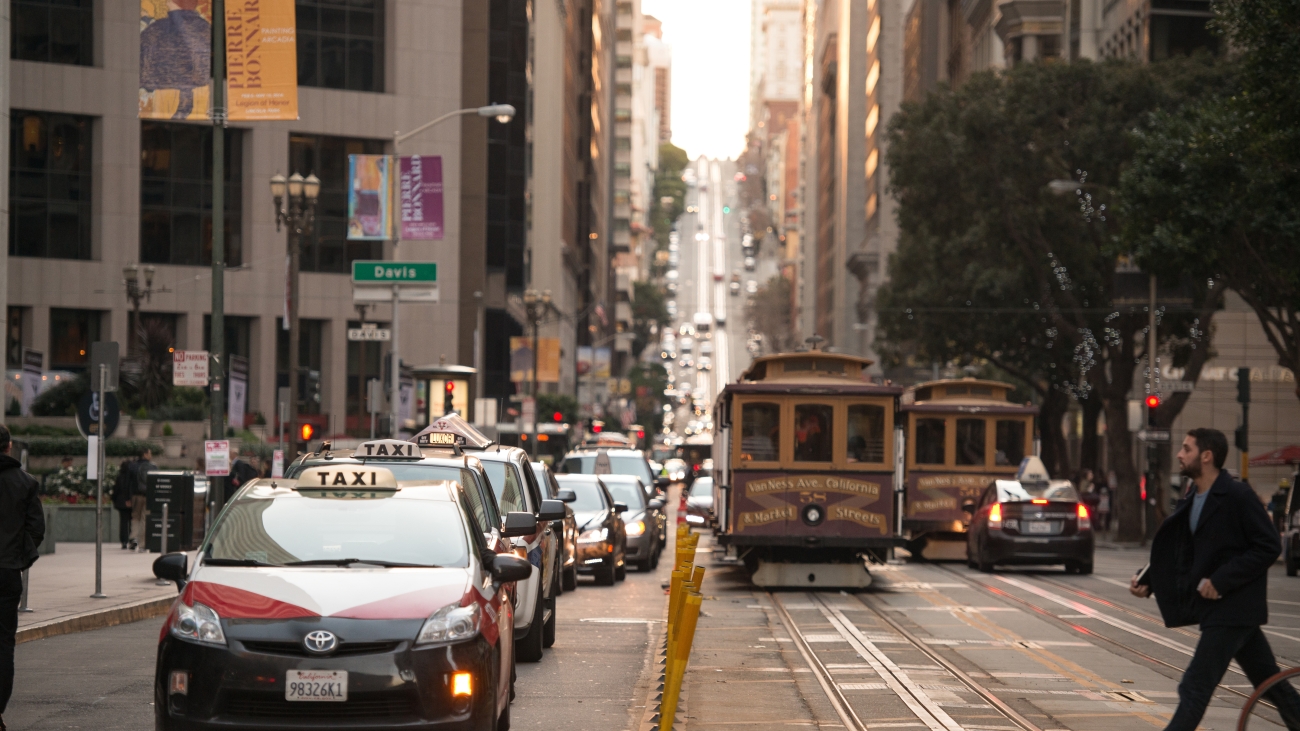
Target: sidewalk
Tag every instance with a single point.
(60, 585)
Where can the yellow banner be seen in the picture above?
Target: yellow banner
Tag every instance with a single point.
(521, 359)
(175, 59)
(261, 60)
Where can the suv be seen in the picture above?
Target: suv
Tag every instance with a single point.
(600, 460)
(516, 489)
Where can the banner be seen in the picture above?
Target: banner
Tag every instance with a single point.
(175, 59)
(369, 198)
(419, 188)
(238, 394)
(261, 60)
(521, 360)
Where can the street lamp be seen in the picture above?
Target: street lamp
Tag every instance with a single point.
(536, 307)
(297, 211)
(135, 293)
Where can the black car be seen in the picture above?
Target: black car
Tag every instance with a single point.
(338, 600)
(644, 521)
(1029, 523)
(602, 538)
(568, 528)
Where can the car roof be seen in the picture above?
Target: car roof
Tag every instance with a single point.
(620, 478)
(278, 487)
(429, 456)
(578, 477)
(617, 451)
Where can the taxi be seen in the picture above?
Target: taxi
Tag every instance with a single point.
(344, 598)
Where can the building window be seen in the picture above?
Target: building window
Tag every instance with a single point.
(341, 44)
(507, 144)
(71, 333)
(310, 359)
(49, 185)
(53, 31)
(328, 248)
(496, 353)
(176, 194)
(14, 340)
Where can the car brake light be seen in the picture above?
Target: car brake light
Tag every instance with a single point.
(1038, 501)
(1085, 522)
(995, 516)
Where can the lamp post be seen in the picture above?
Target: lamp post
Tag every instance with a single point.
(536, 306)
(135, 293)
(295, 207)
(502, 113)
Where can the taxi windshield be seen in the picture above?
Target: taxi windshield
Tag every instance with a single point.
(592, 464)
(297, 529)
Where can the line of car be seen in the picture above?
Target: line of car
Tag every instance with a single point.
(395, 585)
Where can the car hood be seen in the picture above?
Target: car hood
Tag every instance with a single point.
(353, 593)
(592, 519)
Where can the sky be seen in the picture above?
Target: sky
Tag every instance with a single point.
(710, 100)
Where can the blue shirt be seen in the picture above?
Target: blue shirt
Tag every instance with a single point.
(1198, 502)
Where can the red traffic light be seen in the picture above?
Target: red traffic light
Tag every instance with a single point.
(1153, 401)
(307, 431)
(557, 416)
(596, 427)
(449, 386)
(640, 434)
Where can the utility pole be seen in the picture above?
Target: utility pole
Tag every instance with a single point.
(1155, 491)
(1243, 431)
(217, 346)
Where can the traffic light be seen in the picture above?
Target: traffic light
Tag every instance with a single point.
(597, 426)
(448, 396)
(726, 209)
(1241, 438)
(306, 431)
(313, 386)
(1243, 385)
(557, 417)
(1153, 403)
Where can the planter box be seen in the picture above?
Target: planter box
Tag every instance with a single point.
(76, 523)
(123, 428)
(172, 446)
(140, 428)
(259, 431)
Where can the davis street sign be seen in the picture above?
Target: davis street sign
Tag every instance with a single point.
(369, 332)
(1154, 435)
(394, 272)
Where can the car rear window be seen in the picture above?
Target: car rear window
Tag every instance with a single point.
(626, 492)
(703, 487)
(586, 464)
(291, 528)
(589, 498)
(1010, 491)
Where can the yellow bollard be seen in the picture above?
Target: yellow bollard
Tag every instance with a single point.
(677, 660)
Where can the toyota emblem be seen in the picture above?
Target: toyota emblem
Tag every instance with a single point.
(320, 642)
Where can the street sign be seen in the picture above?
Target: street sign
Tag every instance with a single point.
(369, 332)
(105, 354)
(1159, 436)
(217, 454)
(394, 272)
(190, 368)
(406, 293)
(88, 413)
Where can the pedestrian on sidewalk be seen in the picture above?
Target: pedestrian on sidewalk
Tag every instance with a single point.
(240, 473)
(1103, 508)
(1209, 565)
(22, 528)
(143, 467)
(123, 492)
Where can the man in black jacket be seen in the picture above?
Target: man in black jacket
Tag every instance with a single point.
(123, 491)
(1209, 565)
(22, 528)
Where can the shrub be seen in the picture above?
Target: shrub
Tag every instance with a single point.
(77, 446)
(168, 431)
(61, 400)
(71, 482)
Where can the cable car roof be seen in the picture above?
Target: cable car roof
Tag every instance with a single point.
(965, 395)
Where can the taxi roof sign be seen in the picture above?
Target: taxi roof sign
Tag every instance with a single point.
(386, 448)
(325, 477)
(466, 435)
(440, 439)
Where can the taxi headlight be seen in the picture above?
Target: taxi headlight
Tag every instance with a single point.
(595, 535)
(452, 623)
(199, 623)
(635, 528)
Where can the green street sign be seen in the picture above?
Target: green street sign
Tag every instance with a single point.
(394, 272)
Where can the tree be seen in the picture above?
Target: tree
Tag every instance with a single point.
(649, 314)
(549, 404)
(649, 381)
(1006, 269)
(769, 311)
(668, 184)
(1212, 191)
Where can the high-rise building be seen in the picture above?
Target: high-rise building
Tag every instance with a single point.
(660, 59)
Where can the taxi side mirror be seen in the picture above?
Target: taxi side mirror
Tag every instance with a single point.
(656, 504)
(567, 496)
(551, 510)
(519, 524)
(968, 507)
(507, 567)
(620, 507)
(172, 567)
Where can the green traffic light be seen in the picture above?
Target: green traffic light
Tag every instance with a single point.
(726, 209)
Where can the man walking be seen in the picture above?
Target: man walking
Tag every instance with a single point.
(1209, 565)
(143, 467)
(22, 528)
(123, 492)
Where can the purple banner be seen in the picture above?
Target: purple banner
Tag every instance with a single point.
(419, 186)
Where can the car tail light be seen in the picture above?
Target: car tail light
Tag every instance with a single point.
(1085, 521)
(1038, 501)
(995, 517)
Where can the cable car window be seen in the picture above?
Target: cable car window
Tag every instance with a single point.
(930, 438)
(1010, 442)
(866, 433)
(812, 432)
(970, 442)
(760, 432)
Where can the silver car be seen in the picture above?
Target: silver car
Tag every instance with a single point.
(644, 520)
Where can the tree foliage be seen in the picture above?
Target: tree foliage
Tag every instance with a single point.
(770, 313)
(668, 184)
(649, 314)
(996, 265)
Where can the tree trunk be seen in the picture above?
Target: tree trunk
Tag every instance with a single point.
(1119, 447)
(1056, 456)
(1088, 440)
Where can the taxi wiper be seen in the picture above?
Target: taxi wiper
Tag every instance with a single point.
(351, 561)
(209, 561)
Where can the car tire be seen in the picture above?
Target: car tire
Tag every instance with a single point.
(605, 574)
(570, 579)
(529, 647)
(503, 723)
(620, 572)
(1084, 568)
(548, 629)
(983, 564)
(1292, 566)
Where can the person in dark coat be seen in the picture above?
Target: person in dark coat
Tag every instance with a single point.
(1209, 566)
(139, 499)
(22, 528)
(241, 473)
(123, 490)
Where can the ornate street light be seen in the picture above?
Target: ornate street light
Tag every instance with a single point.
(536, 306)
(295, 207)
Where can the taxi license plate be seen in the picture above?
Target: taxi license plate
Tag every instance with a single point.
(316, 685)
(1040, 526)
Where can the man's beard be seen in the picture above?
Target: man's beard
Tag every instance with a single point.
(1192, 470)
